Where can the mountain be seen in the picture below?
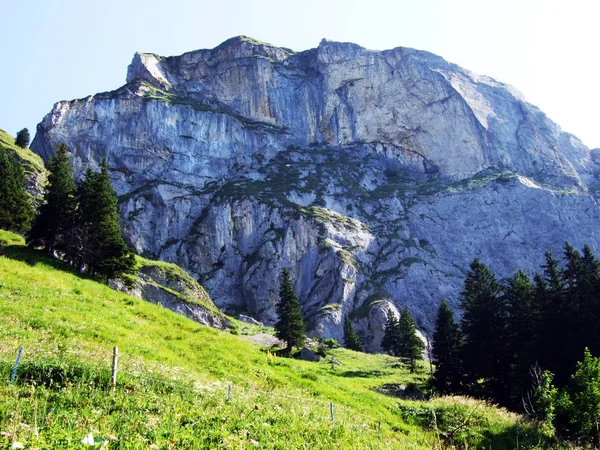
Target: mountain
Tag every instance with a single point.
(375, 176)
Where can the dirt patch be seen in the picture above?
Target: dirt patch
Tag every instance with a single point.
(265, 339)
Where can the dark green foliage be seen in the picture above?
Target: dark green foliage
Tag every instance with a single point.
(98, 244)
(410, 346)
(523, 318)
(290, 327)
(351, 340)
(55, 217)
(484, 326)
(400, 338)
(446, 351)
(23, 138)
(391, 336)
(16, 210)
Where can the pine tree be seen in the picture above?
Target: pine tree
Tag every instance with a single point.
(16, 210)
(410, 347)
(22, 139)
(391, 336)
(97, 243)
(52, 225)
(351, 340)
(290, 327)
(523, 316)
(483, 324)
(446, 351)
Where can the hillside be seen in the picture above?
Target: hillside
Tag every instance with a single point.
(173, 378)
(374, 176)
(32, 163)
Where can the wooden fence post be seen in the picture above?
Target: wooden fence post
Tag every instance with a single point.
(114, 367)
(331, 411)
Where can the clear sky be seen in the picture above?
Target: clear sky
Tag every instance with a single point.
(64, 49)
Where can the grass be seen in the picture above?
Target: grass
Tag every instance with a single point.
(31, 161)
(174, 373)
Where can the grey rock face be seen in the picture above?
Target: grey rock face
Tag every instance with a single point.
(371, 175)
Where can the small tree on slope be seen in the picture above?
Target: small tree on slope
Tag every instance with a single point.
(16, 210)
(351, 340)
(446, 351)
(54, 220)
(290, 327)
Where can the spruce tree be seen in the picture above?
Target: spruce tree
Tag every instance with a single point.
(523, 316)
(351, 340)
(22, 139)
(98, 244)
(52, 226)
(290, 327)
(391, 335)
(410, 347)
(483, 324)
(446, 351)
(16, 210)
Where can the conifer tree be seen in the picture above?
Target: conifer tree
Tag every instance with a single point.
(16, 210)
(410, 347)
(483, 324)
(290, 327)
(351, 340)
(22, 139)
(54, 220)
(97, 242)
(446, 351)
(391, 336)
(523, 316)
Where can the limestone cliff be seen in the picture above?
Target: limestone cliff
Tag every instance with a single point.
(374, 175)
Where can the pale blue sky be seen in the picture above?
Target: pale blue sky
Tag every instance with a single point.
(63, 49)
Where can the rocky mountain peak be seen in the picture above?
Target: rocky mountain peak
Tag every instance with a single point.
(376, 176)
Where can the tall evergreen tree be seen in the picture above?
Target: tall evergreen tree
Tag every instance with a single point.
(290, 327)
(484, 353)
(523, 316)
(54, 220)
(391, 336)
(97, 243)
(16, 210)
(410, 347)
(22, 139)
(351, 340)
(446, 351)
(552, 344)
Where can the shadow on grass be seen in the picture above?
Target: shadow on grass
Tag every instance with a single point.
(362, 374)
(33, 257)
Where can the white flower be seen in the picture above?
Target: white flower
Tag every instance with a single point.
(17, 445)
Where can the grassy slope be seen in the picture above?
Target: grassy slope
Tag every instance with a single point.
(174, 372)
(31, 161)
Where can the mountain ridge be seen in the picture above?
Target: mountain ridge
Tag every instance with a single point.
(375, 175)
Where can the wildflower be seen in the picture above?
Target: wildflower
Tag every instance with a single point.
(7, 435)
(253, 442)
(112, 437)
(17, 445)
(25, 426)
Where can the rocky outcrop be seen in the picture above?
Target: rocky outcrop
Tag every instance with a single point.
(171, 287)
(371, 175)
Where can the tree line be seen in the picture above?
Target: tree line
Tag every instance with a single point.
(528, 344)
(76, 221)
